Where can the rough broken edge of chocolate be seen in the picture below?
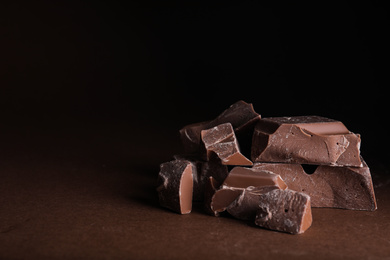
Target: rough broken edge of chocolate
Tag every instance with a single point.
(240, 114)
(247, 204)
(175, 186)
(284, 210)
(328, 186)
(221, 141)
(202, 170)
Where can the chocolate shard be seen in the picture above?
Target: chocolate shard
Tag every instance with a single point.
(175, 184)
(247, 204)
(218, 199)
(202, 170)
(305, 140)
(241, 115)
(222, 198)
(221, 140)
(240, 180)
(242, 177)
(284, 210)
(328, 186)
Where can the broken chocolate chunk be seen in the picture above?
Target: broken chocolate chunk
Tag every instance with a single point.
(222, 198)
(242, 177)
(241, 115)
(305, 140)
(175, 186)
(221, 140)
(284, 210)
(217, 200)
(328, 186)
(246, 205)
(202, 170)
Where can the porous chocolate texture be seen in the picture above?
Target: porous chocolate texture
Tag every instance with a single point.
(305, 140)
(328, 186)
(284, 210)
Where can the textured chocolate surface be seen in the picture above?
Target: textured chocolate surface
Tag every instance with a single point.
(246, 205)
(305, 139)
(175, 184)
(221, 141)
(284, 210)
(328, 186)
(241, 115)
(202, 170)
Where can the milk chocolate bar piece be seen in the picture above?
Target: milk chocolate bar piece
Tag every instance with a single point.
(328, 186)
(241, 115)
(305, 140)
(284, 210)
(175, 186)
(242, 177)
(246, 205)
(221, 140)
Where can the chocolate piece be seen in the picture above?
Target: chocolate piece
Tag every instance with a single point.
(217, 200)
(222, 198)
(328, 186)
(202, 170)
(241, 177)
(175, 186)
(241, 115)
(284, 210)
(247, 204)
(221, 140)
(305, 139)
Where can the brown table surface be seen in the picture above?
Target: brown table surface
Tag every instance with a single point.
(88, 191)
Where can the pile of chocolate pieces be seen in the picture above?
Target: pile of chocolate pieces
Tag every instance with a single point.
(295, 163)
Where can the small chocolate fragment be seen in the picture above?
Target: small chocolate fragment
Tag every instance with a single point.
(247, 204)
(241, 115)
(241, 177)
(284, 210)
(328, 186)
(217, 200)
(223, 197)
(201, 172)
(305, 139)
(221, 140)
(240, 180)
(175, 186)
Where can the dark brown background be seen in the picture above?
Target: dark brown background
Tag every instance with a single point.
(92, 95)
